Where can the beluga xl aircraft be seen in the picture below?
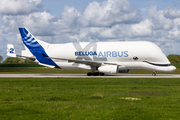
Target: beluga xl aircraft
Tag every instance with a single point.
(104, 57)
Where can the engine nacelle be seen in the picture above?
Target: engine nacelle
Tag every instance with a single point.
(108, 69)
(113, 69)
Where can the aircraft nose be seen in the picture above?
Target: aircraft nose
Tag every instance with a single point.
(172, 68)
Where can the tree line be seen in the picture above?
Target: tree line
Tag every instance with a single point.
(172, 58)
(12, 60)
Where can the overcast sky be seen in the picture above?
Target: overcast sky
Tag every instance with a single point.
(62, 21)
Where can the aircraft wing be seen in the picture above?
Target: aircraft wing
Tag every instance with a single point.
(87, 62)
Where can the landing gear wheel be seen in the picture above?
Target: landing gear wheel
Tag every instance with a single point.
(154, 73)
(101, 74)
(95, 74)
(89, 74)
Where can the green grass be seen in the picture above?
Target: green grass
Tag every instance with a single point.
(89, 98)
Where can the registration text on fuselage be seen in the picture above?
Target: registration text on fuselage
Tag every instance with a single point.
(102, 53)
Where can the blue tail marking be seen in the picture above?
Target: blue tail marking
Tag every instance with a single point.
(35, 48)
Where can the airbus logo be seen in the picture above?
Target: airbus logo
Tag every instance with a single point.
(102, 54)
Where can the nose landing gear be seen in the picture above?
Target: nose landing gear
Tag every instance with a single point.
(154, 73)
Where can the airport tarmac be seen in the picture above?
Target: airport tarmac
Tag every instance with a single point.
(85, 76)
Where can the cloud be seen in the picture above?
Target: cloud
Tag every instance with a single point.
(171, 12)
(106, 14)
(17, 7)
(70, 16)
(102, 33)
(42, 23)
(144, 28)
(120, 31)
(159, 20)
(109, 13)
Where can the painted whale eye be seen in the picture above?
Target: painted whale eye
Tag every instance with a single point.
(135, 58)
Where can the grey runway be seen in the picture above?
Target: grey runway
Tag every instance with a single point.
(85, 76)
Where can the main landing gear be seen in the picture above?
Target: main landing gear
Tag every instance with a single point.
(95, 74)
(154, 73)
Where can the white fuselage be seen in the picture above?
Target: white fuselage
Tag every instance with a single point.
(128, 55)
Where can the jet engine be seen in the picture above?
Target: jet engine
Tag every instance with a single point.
(108, 69)
(113, 69)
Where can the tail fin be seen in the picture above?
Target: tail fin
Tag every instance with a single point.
(11, 50)
(29, 40)
(35, 47)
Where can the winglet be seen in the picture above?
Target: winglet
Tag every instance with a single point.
(11, 50)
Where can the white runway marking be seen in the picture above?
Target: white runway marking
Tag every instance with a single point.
(85, 76)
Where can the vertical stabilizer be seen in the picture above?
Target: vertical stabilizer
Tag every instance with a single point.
(11, 50)
(37, 49)
(30, 41)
